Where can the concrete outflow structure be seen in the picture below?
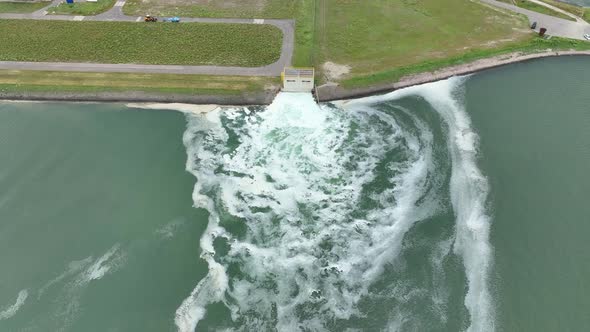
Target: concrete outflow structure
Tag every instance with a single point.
(298, 79)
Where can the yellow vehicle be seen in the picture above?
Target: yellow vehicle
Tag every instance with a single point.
(149, 18)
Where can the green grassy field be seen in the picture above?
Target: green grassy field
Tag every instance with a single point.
(82, 8)
(378, 36)
(19, 7)
(121, 42)
(16, 80)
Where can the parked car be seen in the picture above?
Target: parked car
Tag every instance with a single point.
(534, 25)
(587, 36)
(174, 19)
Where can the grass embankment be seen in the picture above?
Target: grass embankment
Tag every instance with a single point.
(583, 12)
(302, 11)
(541, 9)
(22, 7)
(82, 8)
(126, 42)
(47, 81)
(533, 45)
(373, 37)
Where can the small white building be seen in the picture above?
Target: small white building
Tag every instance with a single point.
(298, 79)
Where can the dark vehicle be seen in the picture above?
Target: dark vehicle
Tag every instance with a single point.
(534, 25)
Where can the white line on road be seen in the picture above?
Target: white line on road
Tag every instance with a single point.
(258, 21)
(138, 19)
(78, 18)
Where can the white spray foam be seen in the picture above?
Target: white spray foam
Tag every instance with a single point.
(13, 309)
(469, 192)
(293, 155)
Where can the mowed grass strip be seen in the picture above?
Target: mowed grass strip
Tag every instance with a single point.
(246, 45)
(22, 7)
(26, 80)
(214, 8)
(82, 8)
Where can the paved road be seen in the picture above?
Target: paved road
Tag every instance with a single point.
(116, 14)
(555, 26)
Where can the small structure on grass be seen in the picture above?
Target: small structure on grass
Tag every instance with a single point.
(298, 79)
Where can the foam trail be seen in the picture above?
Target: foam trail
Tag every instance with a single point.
(319, 231)
(469, 191)
(13, 309)
(76, 277)
(73, 268)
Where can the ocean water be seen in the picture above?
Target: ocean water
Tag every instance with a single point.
(458, 205)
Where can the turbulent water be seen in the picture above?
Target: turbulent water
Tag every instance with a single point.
(459, 205)
(310, 207)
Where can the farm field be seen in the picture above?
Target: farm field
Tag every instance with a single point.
(122, 42)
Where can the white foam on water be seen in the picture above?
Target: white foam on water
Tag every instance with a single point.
(295, 178)
(469, 192)
(11, 310)
(76, 277)
(180, 107)
(112, 259)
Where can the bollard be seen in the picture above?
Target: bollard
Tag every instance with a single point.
(542, 32)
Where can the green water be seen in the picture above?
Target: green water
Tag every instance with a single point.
(386, 213)
(534, 123)
(77, 180)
